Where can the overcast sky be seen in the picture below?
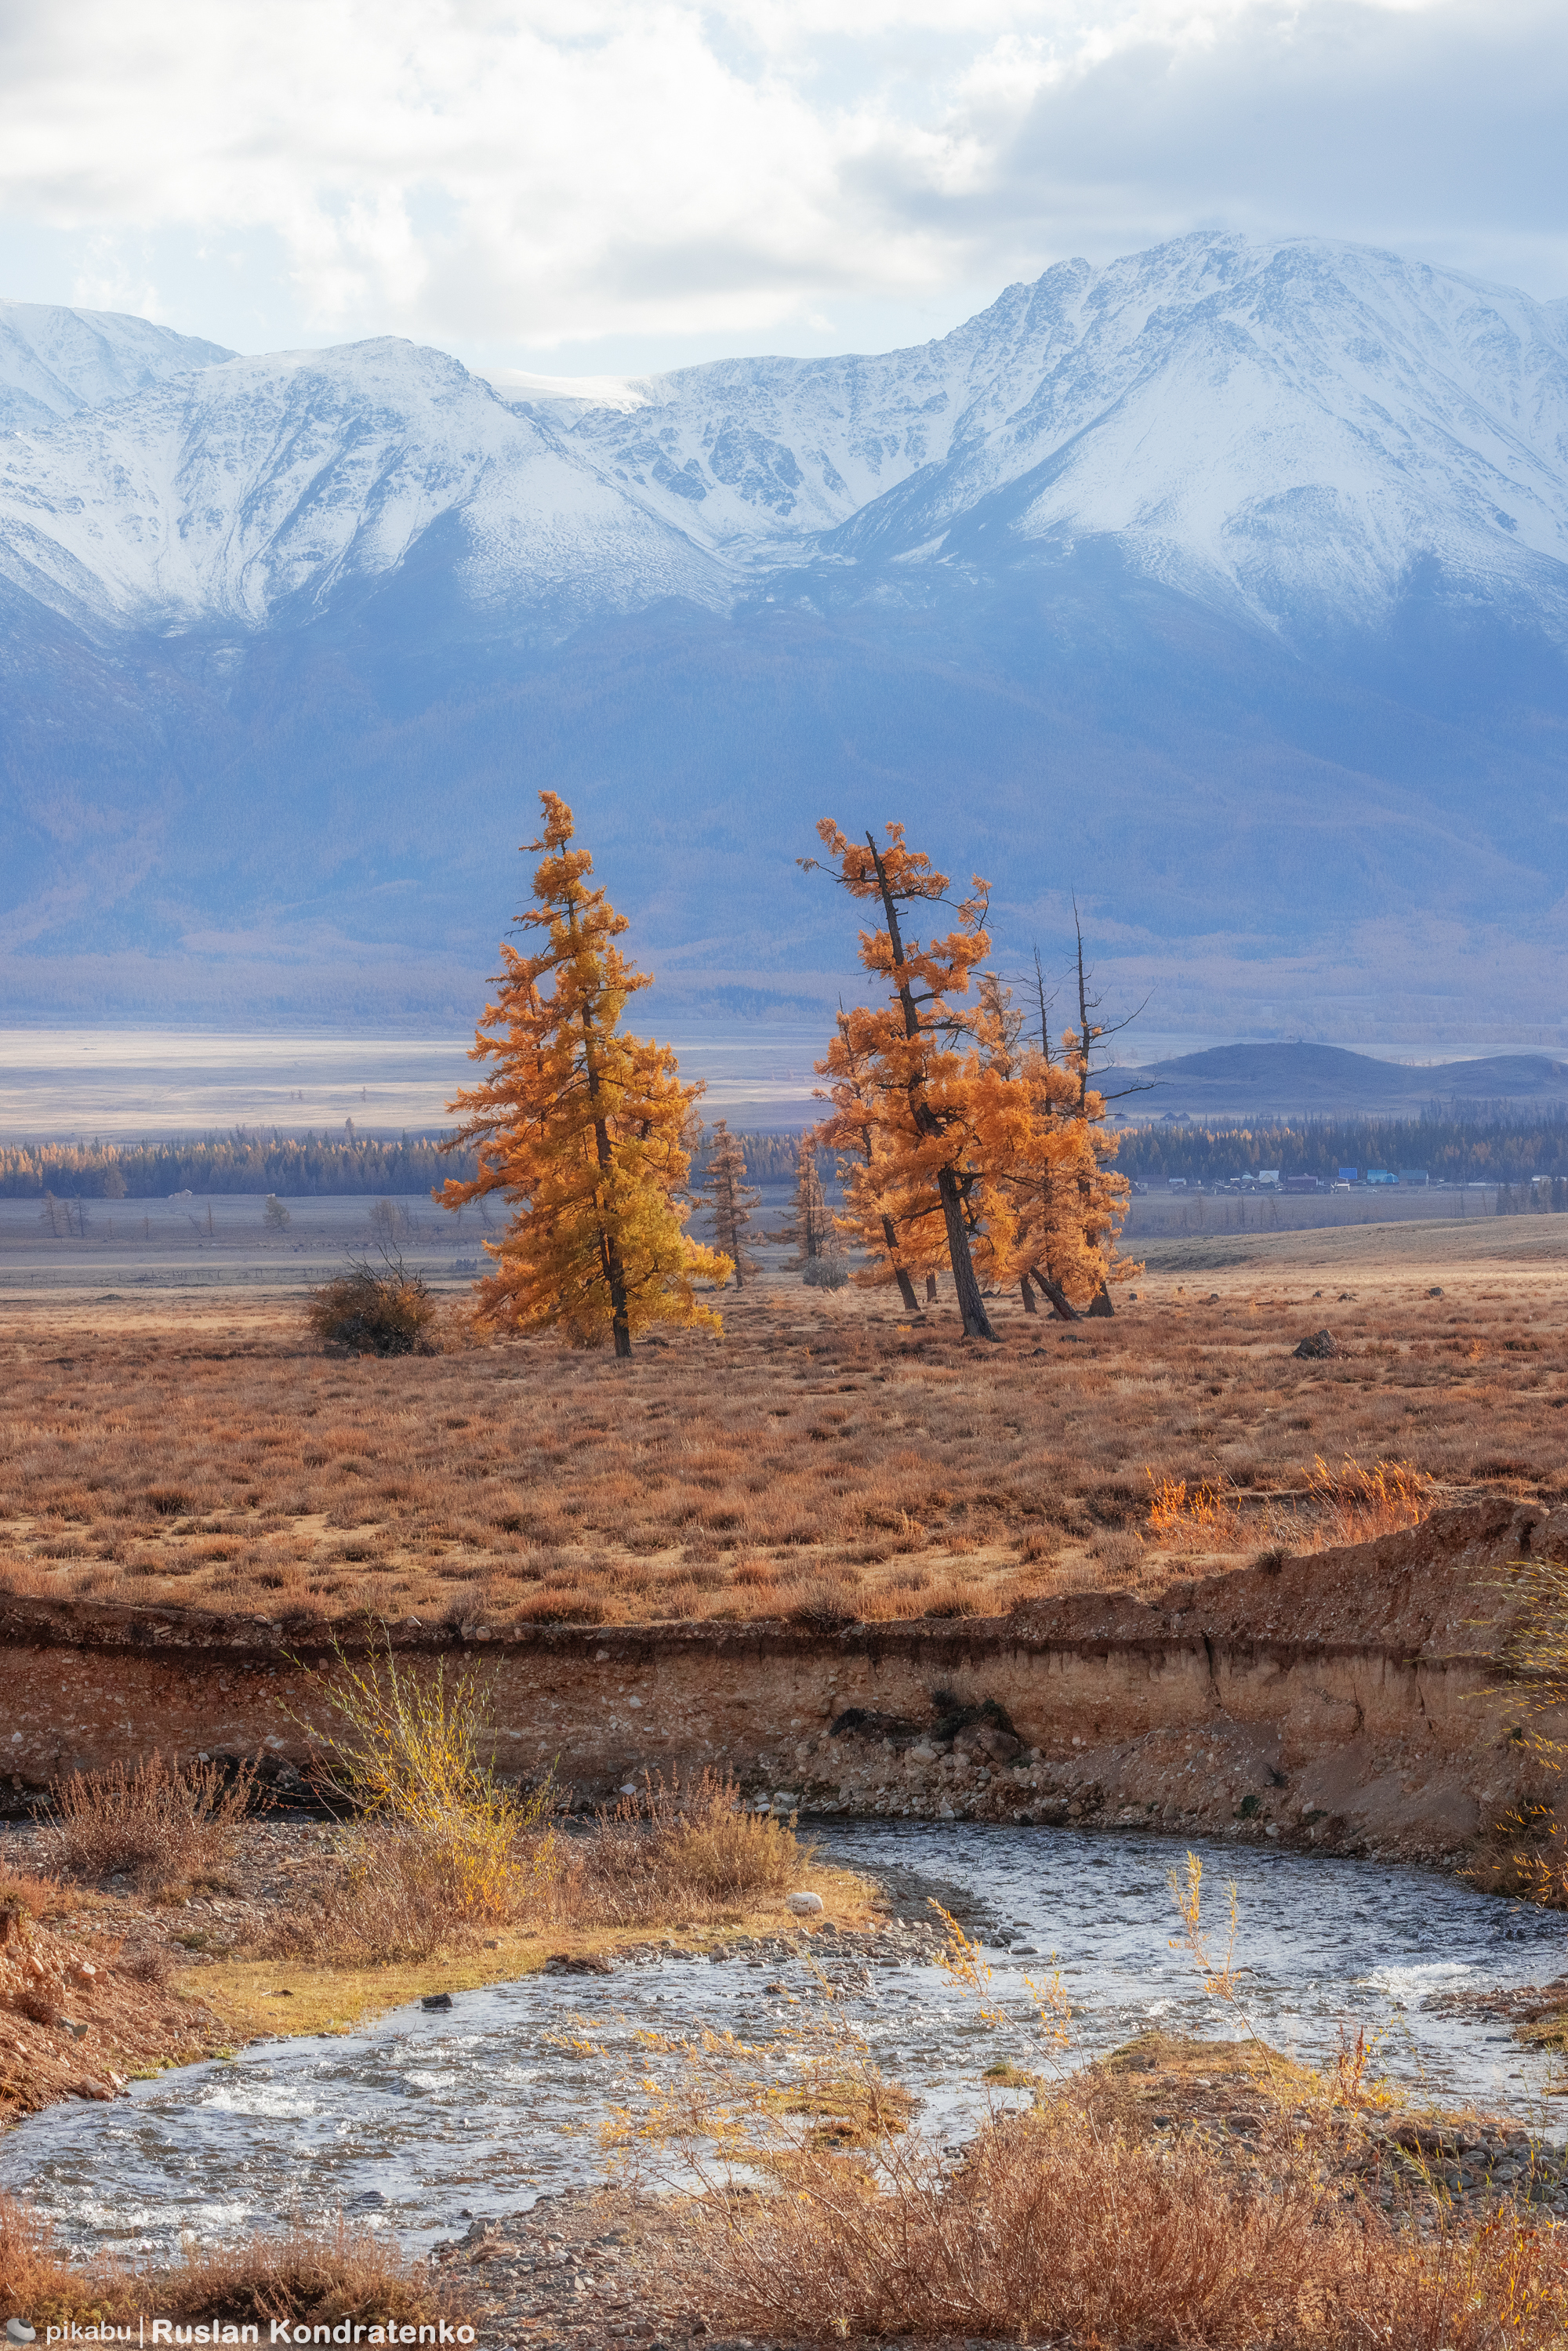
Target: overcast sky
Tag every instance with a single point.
(574, 187)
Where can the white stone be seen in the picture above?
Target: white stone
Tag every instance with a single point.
(806, 1906)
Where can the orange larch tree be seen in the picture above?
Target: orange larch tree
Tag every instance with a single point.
(898, 1239)
(925, 1085)
(1065, 1203)
(586, 1130)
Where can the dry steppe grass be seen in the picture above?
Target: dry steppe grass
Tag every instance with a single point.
(325, 2275)
(824, 1459)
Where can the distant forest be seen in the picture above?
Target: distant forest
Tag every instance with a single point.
(295, 1167)
(308, 1167)
(1450, 1150)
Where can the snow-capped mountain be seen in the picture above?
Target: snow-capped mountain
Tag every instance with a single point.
(56, 362)
(1291, 425)
(250, 490)
(1284, 420)
(1254, 545)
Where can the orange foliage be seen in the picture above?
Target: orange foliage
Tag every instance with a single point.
(958, 1143)
(586, 1129)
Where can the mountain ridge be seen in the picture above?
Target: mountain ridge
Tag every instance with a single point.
(1226, 585)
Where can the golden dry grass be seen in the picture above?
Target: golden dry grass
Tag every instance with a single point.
(1061, 2227)
(326, 2275)
(823, 1459)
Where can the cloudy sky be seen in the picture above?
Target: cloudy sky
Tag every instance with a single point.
(575, 187)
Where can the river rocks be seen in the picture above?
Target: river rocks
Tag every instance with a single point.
(989, 1739)
(806, 1906)
(435, 2000)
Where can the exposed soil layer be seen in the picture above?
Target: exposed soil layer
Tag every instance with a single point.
(87, 2003)
(1353, 1699)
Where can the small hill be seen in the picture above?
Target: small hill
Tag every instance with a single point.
(1249, 1082)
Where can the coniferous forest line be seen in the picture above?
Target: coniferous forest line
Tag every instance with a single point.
(306, 1166)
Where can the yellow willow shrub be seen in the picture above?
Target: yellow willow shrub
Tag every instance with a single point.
(407, 1756)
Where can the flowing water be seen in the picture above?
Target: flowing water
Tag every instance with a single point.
(420, 2120)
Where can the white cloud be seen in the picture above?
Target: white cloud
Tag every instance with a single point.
(534, 177)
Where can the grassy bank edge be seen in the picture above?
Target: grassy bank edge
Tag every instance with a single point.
(244, 1994)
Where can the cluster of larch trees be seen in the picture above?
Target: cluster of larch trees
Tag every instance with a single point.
(960, 1143)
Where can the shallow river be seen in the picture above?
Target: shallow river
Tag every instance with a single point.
(420, 2120)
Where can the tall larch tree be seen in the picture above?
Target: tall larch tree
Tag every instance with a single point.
(916, 1046)
(585, 1130)
(809, 1227)
(730, 1200)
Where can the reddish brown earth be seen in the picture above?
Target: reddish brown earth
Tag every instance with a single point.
(1353, 1699)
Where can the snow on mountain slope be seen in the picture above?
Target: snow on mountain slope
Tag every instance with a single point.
(1303, 424)
(256, 488)
(56, 362)
(1295, 424)
(1289, 430)
(755, 454)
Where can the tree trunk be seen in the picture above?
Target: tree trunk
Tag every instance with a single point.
(931, 1289)
(1056, 1298)
(900, 1272)
(971, 1305)
(1028, 1295)
(614, 1272)
(1100, 1305)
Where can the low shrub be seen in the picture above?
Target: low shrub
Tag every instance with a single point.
(395, 1893)
(442, 1847)
(324, 2276)
(35, 2280)
(386, 1311)
(675, 1850)
(1525, 1856)
(1056, 2227)
(328, 2275)
(159, 1822)
(24, 1900)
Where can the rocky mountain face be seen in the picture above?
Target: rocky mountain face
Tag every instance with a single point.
(1227, 585)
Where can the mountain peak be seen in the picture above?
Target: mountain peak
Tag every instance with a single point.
(56, 362)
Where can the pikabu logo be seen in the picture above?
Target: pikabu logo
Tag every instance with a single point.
(18, 2331)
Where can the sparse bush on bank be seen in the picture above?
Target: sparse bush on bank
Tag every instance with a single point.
(444, 1847)
(324, 2276)
(681, 1850)
(384, 1313)
(1525, 1856)
(159, 1822)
